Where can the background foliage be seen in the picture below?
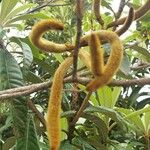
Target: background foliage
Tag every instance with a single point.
(116, 117)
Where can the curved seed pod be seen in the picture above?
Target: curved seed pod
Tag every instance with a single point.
(127, 23)
(97, 55)
(85, 58)
(96, 5)
(40, 28)
(138, 14)
(54, 105)
(113, 62)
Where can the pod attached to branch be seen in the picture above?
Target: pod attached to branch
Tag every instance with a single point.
(40, 28)
(113, 62)
(97, 58)
(54, 105)
(127, 23)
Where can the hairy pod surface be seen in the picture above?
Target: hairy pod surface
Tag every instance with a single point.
(85, 58)
(138, 14)
(96, 5)
(54, 105)
(97, 55)
(127, 23)
(40, 28)
(113, 62)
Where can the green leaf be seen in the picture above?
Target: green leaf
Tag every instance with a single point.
(66, 145)
(108, 112)
(30, 141)
(11, 77)
(146, 122)
(14, 12)
(10, 73)
(80, 142)
(6, 8)
(101, 126)
(9, 143)
(125, 65)
(143, 51)
(32, 77)
(27, 55)
(109, 96)
(25, 17)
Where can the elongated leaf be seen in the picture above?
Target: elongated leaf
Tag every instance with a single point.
(11, 77)
(125, 65)
(146, 121)
(82, 143)
(10, 73)
(25, 17)
(66, 145)
(16, 11)
(136, 120)
(30, 141)
(27, 55)
(108, 96)
(6, 7)
(142, 51)
(108, 112)
(101, 126)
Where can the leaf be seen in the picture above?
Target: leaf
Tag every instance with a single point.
(66, 145)
(30, 141)
(109, 96)
(11, 77)
(9, 143)
(10, 73)
(146, 122)
(135, 120)
(32, 77)
(125, 65)
(101, 126)
(25, 17)
(27, 55)
(6, 8)
(142, 51)
(14, 12)
(80, 142)
(108, 112)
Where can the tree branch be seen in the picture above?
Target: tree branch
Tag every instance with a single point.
(26, 90)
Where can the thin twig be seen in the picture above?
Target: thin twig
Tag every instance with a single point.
(37, 113)
(83, 106)
(27, 90)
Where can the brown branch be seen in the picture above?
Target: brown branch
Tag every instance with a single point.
(97, 13)
(37, 113)
(26, 90)
(127, 23)
(119, 12)
(80, 111)
(120, 9)
(141, 66)
(45, 5)
(79, 14)
(138, 14)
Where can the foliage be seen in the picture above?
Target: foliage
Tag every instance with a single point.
(115, 117)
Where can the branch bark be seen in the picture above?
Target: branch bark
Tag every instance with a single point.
(26, 90)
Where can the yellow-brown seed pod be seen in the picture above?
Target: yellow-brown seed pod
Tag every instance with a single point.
(40, 28)
(54, 105)
(127, 23)
(138, 14)
(113, 62)
(97, 55)
(85, 58)
(96, 5)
